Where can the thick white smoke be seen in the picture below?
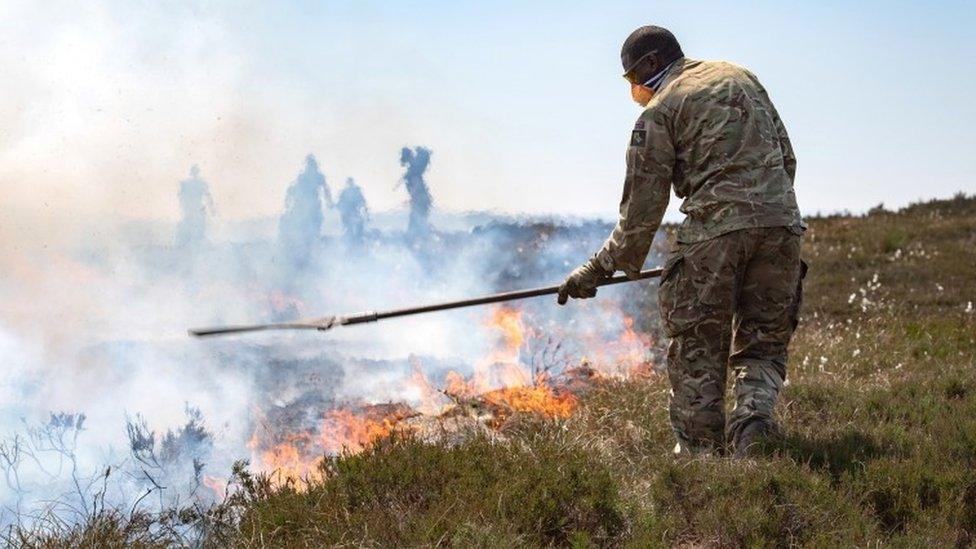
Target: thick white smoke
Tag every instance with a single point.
(98, 366)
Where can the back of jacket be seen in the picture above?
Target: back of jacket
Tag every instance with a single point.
(711, 134)
(733, 162)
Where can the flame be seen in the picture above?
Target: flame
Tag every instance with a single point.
(345, 431)
(216, 485)
(502, 381)
(298, 456)
(501, 367)
(509, 321)
(430, 400)
(540, 399)
(292, 459)
(620, 354)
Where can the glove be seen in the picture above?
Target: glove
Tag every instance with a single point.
(582, 282)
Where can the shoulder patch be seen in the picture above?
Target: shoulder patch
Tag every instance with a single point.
(638, 138)
(640, 124)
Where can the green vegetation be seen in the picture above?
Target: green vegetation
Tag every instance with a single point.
(536, 489)
(879, 442)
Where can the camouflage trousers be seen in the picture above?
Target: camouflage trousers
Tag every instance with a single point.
(729, 302)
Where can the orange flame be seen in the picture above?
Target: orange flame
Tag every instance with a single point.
(501, 367)
(622, 356)
(509, 321)
(345, 431)
(298, 456)
(501, 381)
(431, 401)
(216, 485)
(541, 400)
(293, 459)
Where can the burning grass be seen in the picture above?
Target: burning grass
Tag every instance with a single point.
(879, 447)
(509, 381)
(297, 456)
(539, 400)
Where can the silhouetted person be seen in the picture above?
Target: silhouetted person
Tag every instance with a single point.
(353, 211)
(196, 207)
(300, 225)
(416, 161)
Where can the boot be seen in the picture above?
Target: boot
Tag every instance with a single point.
(747, 441)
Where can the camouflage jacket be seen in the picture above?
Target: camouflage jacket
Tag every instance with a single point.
(713, 134)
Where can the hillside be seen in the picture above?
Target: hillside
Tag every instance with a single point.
(880, 438)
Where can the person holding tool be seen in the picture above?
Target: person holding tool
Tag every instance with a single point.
(731, 287)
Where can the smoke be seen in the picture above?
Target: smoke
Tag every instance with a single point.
(416, 162)
(102, 377)
(196, 207)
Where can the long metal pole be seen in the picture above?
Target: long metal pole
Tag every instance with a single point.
(325, 323)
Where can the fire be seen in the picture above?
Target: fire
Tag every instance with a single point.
(430, 400)
(509, 321)
(216, 485)
(292, 459)
(345, 431)
(540, 399)
(298, 456)
(622, 354)
(504, 382)
(502, 367)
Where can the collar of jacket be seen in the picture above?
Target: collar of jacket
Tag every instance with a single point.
(654, 82)
(671, 73)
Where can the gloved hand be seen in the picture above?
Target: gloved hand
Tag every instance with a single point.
(582, 282)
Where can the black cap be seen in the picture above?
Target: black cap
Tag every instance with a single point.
(648, 40)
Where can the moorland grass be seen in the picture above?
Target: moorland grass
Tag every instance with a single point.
(878, 445)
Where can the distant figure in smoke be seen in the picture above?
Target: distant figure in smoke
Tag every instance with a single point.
(353, 211)
(416, 161)
(301, 223)
(196, 206)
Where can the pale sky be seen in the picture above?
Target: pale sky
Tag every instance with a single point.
(105, 105)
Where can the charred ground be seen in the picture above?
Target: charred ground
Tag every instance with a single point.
(879, 447)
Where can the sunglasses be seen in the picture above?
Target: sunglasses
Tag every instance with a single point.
(631, 75)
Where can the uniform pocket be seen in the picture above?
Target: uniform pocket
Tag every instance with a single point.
(671, 265)
(666, 299)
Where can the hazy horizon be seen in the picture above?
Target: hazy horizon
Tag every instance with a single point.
(108, 105)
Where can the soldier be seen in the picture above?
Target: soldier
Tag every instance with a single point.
(197, 206)
(730, 290)
(352, 211)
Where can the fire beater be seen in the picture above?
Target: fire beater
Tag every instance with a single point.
(328, 322)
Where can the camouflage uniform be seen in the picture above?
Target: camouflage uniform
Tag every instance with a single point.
(712, 133)
(740, 289)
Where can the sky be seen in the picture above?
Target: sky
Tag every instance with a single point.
(105, 105)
